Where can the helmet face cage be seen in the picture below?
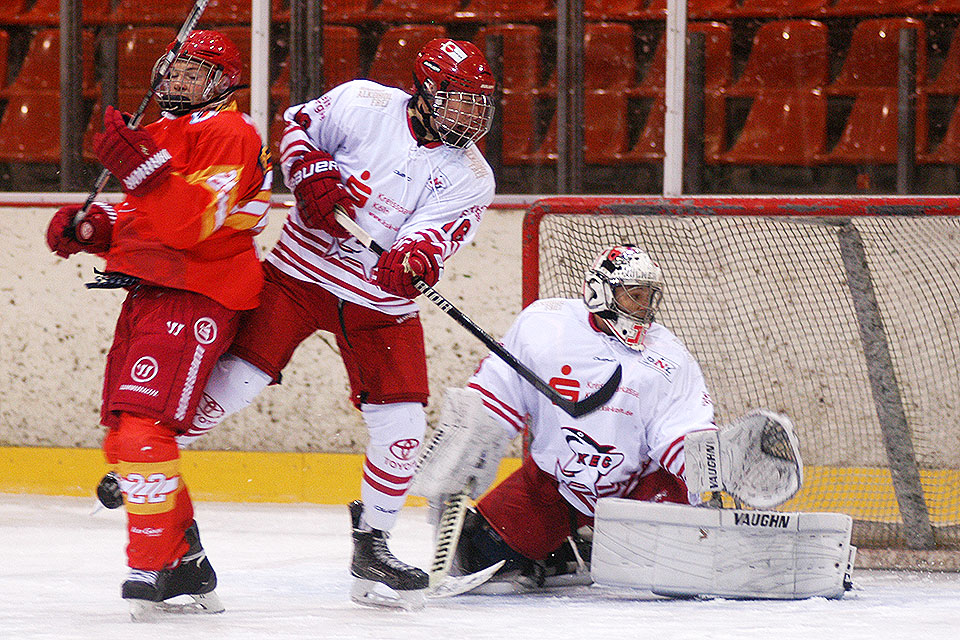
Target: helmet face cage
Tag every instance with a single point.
(616, 271)
(189, 83)
(461, 118)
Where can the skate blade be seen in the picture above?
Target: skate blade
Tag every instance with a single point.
(201, 603)
(364, 593)
(149, 611)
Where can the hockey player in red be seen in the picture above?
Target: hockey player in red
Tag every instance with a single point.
(197, 190)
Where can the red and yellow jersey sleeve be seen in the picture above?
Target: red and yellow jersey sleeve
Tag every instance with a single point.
(195, 230)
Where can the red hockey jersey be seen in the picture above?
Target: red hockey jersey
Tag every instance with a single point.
(195, 230)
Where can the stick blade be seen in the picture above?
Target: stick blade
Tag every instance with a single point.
(599, 398)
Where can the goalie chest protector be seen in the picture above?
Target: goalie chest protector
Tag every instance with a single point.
(679, 550)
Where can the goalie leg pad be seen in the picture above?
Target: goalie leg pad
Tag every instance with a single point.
(677, 550)
(467, 444)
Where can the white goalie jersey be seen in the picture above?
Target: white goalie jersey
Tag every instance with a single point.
(400, 189)
(661, 398)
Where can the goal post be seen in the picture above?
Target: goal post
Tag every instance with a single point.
(841, 312)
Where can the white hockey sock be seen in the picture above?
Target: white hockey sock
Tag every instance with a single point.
(233, 385)
(396, 434)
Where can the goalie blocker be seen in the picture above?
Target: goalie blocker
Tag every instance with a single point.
(678, 550)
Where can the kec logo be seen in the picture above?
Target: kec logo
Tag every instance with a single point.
(144, 370)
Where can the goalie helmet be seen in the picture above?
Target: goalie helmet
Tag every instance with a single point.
(206, 68)
(623, 289)
(454, 79)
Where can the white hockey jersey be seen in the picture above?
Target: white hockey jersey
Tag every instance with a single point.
(400, 190)
(662, 396)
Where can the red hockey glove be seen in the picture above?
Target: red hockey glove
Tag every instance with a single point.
(91, 235)
(315, 182)
(406, 260)
(132, 155)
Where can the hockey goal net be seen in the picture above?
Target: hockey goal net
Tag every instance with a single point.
(843, 313)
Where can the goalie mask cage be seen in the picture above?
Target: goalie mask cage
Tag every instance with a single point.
(843, 313)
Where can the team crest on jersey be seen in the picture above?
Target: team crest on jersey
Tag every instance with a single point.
(590, 462)
(438, 181)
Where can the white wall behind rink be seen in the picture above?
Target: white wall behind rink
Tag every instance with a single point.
(54, 336)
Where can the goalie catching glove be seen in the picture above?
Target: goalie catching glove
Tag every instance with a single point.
(464, 451)
(91, 235)
(132, 155)
(315, 182)
(756, 459)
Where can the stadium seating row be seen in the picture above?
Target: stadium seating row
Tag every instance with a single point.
(786, 79)
(171, 12)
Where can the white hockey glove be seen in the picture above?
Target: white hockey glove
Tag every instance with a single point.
(463, 452)
(755, 459)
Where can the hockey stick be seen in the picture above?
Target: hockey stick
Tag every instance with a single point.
(448, 534)
(574, 409)
(163, 66)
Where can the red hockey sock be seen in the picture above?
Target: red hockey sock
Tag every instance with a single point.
(158, 505)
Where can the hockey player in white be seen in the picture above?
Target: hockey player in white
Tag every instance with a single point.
(636, 446)
(407, 169)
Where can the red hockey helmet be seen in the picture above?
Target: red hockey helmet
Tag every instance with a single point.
(455, 79)
(206, 67)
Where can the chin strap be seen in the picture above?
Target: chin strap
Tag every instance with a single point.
(418, 112)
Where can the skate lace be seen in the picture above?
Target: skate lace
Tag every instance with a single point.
(141, 575)
(382, 553)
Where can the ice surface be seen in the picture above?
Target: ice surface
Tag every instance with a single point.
(283, 574)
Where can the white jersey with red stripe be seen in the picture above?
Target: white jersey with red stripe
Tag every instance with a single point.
(662, 396)
(401, 189)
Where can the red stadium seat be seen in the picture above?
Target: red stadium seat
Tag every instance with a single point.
(10, 9)
(848, 8)
(784, 75)
(413, 10)
(947, 81)
(649, 144)
(871, 61)
(393, 62)
(609, 59)
(507, 11)
(138, 50)
(334, 11)
(948, 150)
(47, 13)
(612, 9)
(696, 9)
(717, 53)
(521, 64)
(151, 12)
(4, 53)
(869, 75)
(779, 8)
(40, 70)
(870, 134)
(782, 128)
(786, 55)
(226, 12)
(605, 131)
(30, 128)
(341, 54)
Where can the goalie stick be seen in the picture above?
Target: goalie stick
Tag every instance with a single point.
(164, 65)
(574, 409)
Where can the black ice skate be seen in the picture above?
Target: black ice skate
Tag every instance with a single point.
(147, 592)
(373, 563)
